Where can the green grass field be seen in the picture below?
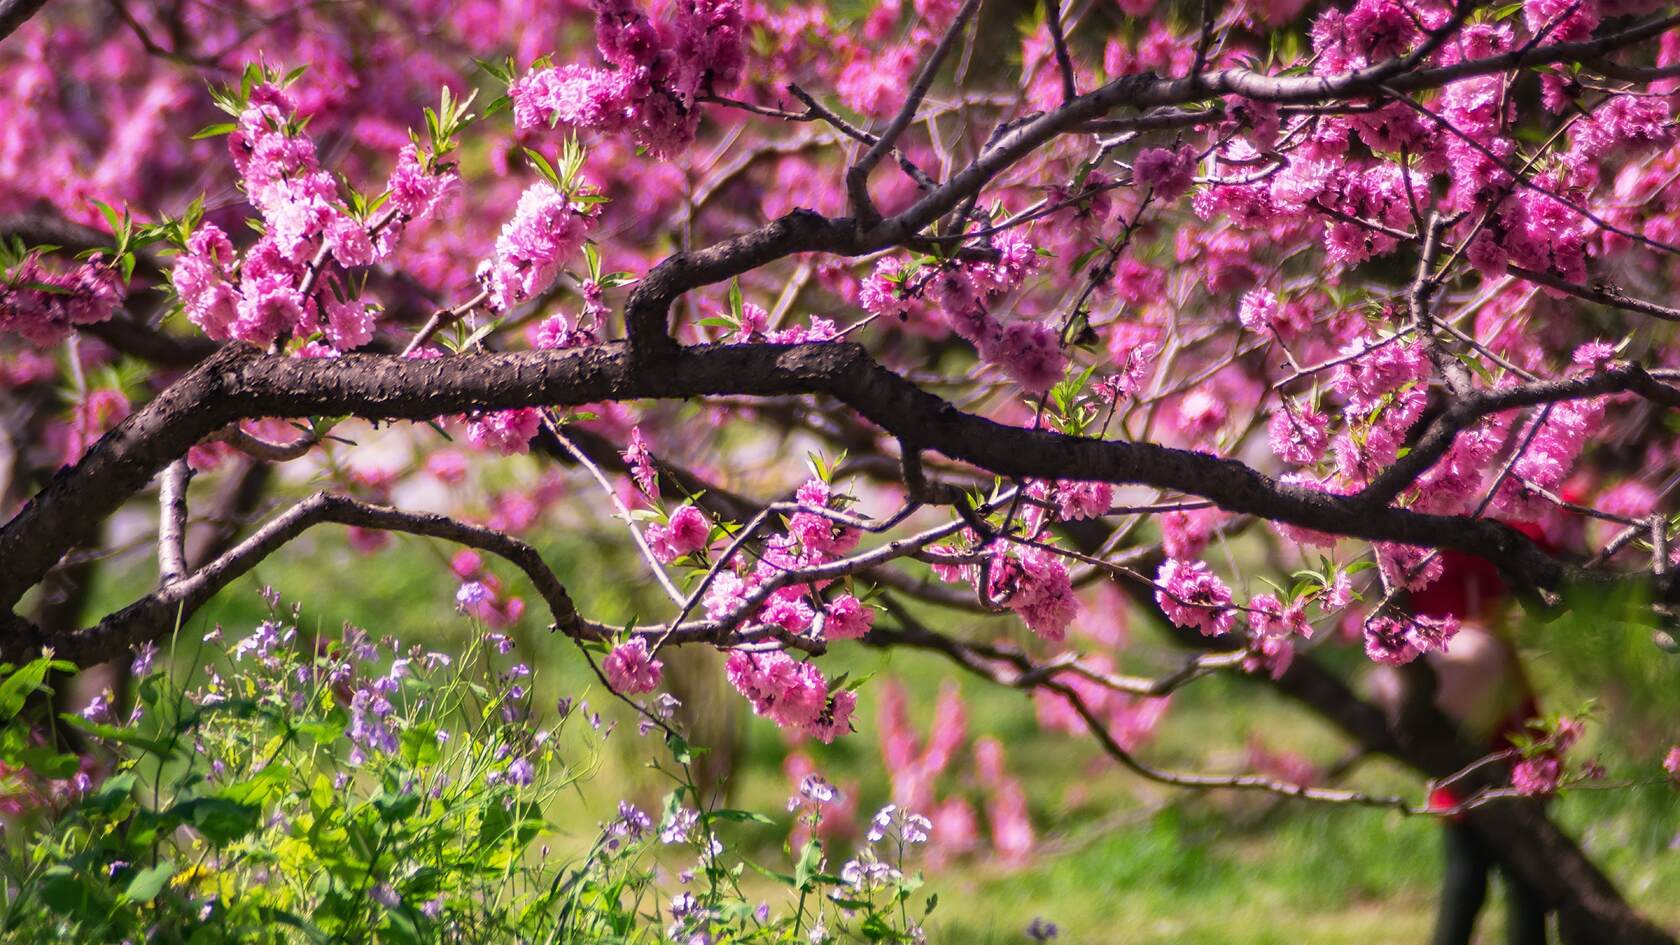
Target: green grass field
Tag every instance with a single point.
(1120, 860)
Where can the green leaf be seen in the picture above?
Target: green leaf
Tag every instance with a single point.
(121, 735)
(809, 865)
(19, 685)
(220, 820)
(681, 752)
(395, 807)
(147, 883)
(739, 816)
(214, 131)
(479, 335)
(785, 878)
(543, 167)
(70, 895)
(111, 794)
(50, 764)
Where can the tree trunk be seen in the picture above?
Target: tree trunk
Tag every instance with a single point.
(1589, 907)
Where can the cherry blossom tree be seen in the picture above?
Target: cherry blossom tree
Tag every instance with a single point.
(1373, 288)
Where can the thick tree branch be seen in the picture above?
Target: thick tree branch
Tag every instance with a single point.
(14, 13)
(241, 382)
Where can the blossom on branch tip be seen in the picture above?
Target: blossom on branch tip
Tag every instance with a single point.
(685, 533)
(547, 228)
(1537, 776)
(630, 669)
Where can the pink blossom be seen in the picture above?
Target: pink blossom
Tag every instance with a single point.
(847, 618)
(1270, 655)
(43, 306)
(883, 291)
(1185, 532)
(1387, 641)
(507, 431)
(1200, 415)
(1032, 355)
(792, 694)
(1036, 586)
(1137, 362)
(1299, 434)
(1537, 776)
(727, 595)
(640, 460)
(1377, 368)
(1080, 500)
(415, 193)
(630, 669)
(574, 95)
(685, 533)
(1259, 310)
(449, 466)
(1671, 764)
(350, 324)
(1169, 172)
(96, 413)
(546, 229)
(557, 332)
(835, 719)
(1191, 595)
(1562, 21)
(1006, 807)
(1397, 641)
(874, 85)
(350, 243)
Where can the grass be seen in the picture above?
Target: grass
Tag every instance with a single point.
(1121, 860)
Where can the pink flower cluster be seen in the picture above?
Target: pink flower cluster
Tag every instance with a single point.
(630, 669)
(1081, 500)
(1168, 172)
(1397, 641)
(1192, 596)
(302, 214)
(1034, 584)
(547, 228)
(639, 459)
(686, 532)
(790, 693)
(658, 71)
(1299, 434)
(506, 431)
(1259, 310)
(1273, 627)
(847, 618)
(557, 332)
(43, 306)
(811, 539)
(1029, 352)
(1537, 776)
(1550, 456)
